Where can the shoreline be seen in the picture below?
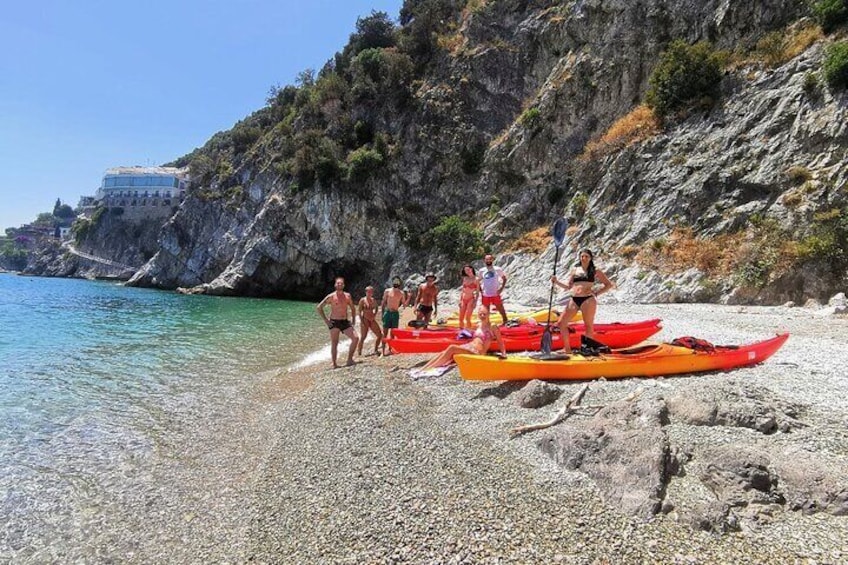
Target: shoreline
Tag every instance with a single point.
(370, 466)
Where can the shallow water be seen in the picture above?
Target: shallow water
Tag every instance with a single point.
(106, 393)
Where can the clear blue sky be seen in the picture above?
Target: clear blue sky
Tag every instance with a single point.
(90, 84)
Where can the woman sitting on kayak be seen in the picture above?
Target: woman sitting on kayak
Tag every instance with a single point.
(581, 284)
(479, 344)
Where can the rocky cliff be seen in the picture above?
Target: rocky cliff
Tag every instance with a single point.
(106, 246)
(501, 112)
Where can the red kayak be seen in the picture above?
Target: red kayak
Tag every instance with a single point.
(521, 329)
(617, 336)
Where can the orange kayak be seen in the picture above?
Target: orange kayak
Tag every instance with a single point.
(653, 360)
(611, 335)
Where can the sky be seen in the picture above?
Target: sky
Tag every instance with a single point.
(86, 85)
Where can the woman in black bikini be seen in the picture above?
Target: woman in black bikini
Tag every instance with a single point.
(581, 283)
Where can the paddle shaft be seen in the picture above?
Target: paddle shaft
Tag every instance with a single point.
(551, 299)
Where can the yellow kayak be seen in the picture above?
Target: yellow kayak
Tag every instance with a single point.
(539, 316)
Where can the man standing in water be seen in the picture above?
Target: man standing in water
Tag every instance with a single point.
(393, 299)
(339, 301)
(428, 299)
(368, 319)
(492, 283)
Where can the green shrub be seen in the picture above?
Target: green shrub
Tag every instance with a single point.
(80, 230)
(362, 163)
(328, 170)
(531, 118)
(579, 204)
(363, 132)
(423, 22)
(457, 239)
(12, 256)
(835, 66)
(830, 13)
(828, 243)
(811, 85)
(381, 74)
(330, 86)
(685, 74)
(375, 30)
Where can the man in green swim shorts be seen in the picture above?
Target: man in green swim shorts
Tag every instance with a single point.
(393, 299)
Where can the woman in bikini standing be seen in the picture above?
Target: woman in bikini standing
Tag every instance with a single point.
(468, 296)
(479, 344)
(581, 284)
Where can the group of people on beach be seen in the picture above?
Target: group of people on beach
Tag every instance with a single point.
(487, 286)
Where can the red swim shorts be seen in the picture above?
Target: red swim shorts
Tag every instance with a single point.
(492, 301)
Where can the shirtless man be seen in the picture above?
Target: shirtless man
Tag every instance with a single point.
(368, 319)
(339, 301)
(428, 299)
(393, 299)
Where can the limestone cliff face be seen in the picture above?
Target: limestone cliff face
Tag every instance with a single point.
(461, 144)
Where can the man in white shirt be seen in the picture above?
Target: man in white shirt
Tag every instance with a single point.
(492, 282)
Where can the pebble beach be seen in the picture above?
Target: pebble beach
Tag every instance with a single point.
(366, 465)
(369, 466)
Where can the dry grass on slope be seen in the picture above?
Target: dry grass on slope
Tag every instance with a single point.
(534, 242)
(638, 125)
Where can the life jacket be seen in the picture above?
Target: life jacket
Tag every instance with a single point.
(693, 343)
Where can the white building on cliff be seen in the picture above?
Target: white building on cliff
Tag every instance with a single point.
(143, 191)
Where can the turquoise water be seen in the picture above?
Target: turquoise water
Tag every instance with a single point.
(102, 387)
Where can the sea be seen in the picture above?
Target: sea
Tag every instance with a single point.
(110, 396)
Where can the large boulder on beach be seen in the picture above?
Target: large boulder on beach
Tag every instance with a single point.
(537, 394)
(733, 404)
(624, 449)
(813, 482)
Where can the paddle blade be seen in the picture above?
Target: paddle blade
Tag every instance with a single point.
(547, 341)
(559, 229)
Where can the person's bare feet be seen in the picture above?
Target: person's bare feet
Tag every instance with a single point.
(351, 362)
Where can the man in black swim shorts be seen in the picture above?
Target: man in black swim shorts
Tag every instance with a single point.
(428, 299)
(339, 301)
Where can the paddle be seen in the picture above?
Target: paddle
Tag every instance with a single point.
(559, 235)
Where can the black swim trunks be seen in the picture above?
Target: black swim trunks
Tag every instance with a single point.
(424, 309)
(340, 325)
